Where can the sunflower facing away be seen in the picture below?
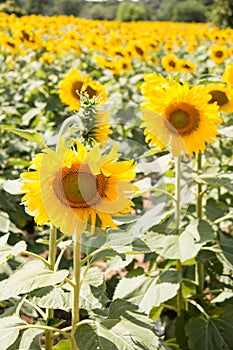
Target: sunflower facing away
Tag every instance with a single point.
(74, 83)
(181, 117)
(73, 188)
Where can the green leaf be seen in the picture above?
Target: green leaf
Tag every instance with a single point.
(226, 243)
(7, 251)
(29, 135)
(28, 336)
(62, 345)
(216, 180)
(55, 298)
(92, 293)
(152, 217)
(125, 328)
(184, 246)
(9, 330)
(28, 277)
(12, 186)
(4, 222)
(148, 291)
(213, 333)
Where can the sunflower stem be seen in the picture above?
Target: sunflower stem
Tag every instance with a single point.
(199, 265)
(177, 222)
(76, 289)
(52, 260)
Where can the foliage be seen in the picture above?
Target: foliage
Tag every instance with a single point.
(222, 13)
(127, 12)
(189, 11)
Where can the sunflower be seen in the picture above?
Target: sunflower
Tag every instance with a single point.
(181, 117)
(98, 127)
(222, 95)
(170, 63)
(153, 84)
(186, 66)
(218, 54)
(74, 83)
(74, 188)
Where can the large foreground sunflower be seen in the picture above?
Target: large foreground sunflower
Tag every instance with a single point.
(74, 83)
(74, 188)
(181, 117)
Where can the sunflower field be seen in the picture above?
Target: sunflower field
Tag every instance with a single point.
(116, 185)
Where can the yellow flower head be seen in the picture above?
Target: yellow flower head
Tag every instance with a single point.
(222, 95)
(218, 54)
(72, 188)
(181, 117)
(170, 63)
(228, 74)
(74, 83)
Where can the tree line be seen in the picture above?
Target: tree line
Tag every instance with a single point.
(219, 12)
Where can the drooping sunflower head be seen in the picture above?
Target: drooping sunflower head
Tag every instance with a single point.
(72, 188)
(74, 83)
(98, 127)
(180, 118)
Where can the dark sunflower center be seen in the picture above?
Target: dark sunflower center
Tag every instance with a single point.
(179, 119)
(183, 118)
(172, 64)
(91, 92)
(78, 188)
(219, 54)
(218, 96)
(76, 86)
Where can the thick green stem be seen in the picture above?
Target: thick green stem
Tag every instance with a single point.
(52, 260)
(177, 222)
(199, 265)
(76, 289)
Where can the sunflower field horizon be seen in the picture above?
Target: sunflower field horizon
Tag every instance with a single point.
(115, 184)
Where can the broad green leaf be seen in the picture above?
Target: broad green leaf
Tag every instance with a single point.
(4, 222)
(226, 244)
(7, 251)
(9, 330)
(184, 246)
(213, 333)
(226, 294)
(152, 217)
(33, 112)
(29, 135)
(125, 328)
(159, 165)
(55, 298)
(125, 242)
(28, 277)
(89, 299)
(216, 180)
(62, 345)
(12, 186)
(148, 291)
(28, 336)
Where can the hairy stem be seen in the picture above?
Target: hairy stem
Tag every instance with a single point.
(177, 221)
(199, 265)
(51, 260)
(76, 289)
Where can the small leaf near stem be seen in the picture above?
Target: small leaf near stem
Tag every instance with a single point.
(76, 289)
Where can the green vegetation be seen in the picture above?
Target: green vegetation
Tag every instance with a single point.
(219, 12)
